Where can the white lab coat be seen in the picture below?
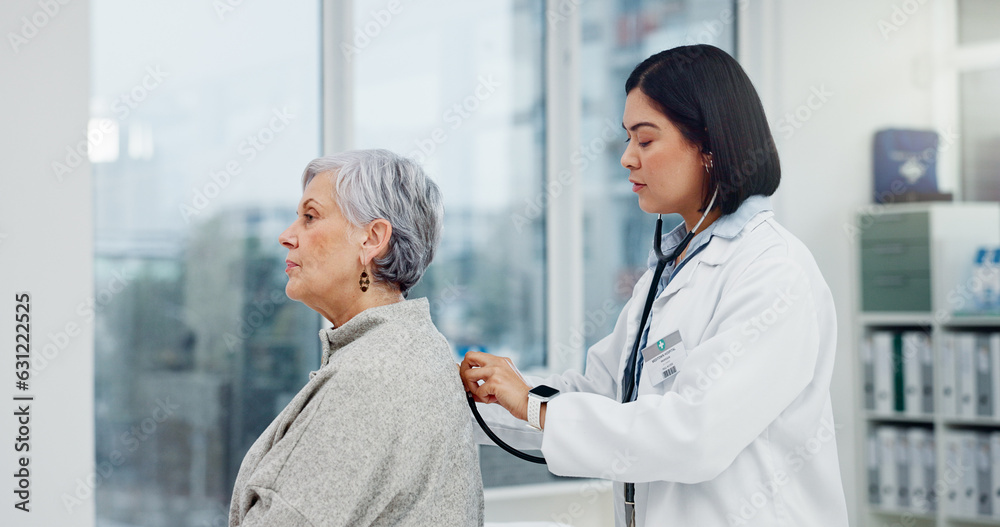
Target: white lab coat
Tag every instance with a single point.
(743, 434)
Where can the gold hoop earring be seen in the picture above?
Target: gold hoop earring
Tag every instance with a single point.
(364, 282)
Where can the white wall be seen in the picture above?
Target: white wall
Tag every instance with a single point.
(45, 250)
(792, 48)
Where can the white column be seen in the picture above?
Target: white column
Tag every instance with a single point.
(564, 214)
(338, 77)
(46, 250)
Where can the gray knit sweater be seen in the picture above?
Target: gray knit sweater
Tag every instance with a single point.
(380, 435)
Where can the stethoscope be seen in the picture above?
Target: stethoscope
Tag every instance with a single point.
(628, 380)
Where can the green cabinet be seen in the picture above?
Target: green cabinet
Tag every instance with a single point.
(896, 263)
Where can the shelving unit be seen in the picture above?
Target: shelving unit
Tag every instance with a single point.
(940, 235)
(940, 422)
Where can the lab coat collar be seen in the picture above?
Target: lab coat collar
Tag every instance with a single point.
(728, 227)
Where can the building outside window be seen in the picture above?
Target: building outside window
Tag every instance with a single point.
(210, 116)
(215, 114)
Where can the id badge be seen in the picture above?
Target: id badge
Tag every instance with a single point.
(662, 358)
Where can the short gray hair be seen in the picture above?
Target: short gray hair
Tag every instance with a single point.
(373, 184)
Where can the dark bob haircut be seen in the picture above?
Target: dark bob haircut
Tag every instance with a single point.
(706, 94)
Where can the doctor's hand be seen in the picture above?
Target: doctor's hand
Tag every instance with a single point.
(502, 383)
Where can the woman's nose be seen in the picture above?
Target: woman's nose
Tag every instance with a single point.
(287, 238)
(629, 160)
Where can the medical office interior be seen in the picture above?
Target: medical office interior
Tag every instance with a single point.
(152, 157)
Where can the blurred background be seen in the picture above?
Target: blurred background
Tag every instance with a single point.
(174, 135)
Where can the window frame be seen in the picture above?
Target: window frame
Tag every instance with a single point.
(563, 217)
(950, 61)
(564, 298)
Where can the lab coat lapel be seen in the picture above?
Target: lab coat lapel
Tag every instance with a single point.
(714, 254)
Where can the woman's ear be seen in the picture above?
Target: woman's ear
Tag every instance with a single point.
(706, 160)
(375, 240)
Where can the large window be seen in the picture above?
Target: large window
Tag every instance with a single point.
(980, 115)
(458, 86)
(966, 88)
(208, 112)
(979, 98)
(616, 36)
(978, 21)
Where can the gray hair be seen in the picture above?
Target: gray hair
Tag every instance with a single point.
(373, 184)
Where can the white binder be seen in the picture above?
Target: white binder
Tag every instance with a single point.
(887, 467)
(952, 499)
(874, 481)
(970, 490)
(917, 438)
(994, 344)
(946, 344)
(984, 376)
(912, 374)
(903, 482)
(929, 456)
(984, 476)
(995, 458)
(882, 346)
(927, 374)
(868, 372)
(965, 344)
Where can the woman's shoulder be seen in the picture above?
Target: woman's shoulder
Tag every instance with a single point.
(775, 251)
(771, 238)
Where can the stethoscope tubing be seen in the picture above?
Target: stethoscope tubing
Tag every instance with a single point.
(499, 442)
(661, 264)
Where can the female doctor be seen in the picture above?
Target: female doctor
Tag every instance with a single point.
(715, 410)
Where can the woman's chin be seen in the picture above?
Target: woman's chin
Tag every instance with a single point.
(649, 206)
(654, 206)
(292, 292)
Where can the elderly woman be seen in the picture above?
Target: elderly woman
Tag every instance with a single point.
(360, 444)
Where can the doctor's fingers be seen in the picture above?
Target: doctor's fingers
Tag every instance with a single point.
(470, 385)
(494, 380)
(478, 359)
(475, 360)
(502, 385)
(500, 380)
(483, 393)
(472, 376)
